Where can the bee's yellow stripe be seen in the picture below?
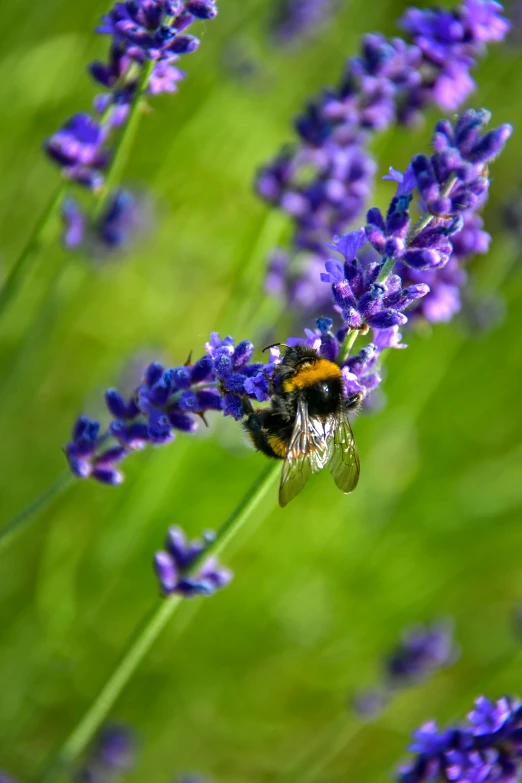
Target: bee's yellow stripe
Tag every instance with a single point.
(316, 372)
(279, 446)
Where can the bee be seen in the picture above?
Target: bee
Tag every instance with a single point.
(306, 423)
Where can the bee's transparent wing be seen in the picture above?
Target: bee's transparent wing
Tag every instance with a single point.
(344, 461)
(310, 449)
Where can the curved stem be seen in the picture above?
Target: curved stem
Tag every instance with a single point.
(32, 246)
(124, 143)
(20, 520)
(149, 631)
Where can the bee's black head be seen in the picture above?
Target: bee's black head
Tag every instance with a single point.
(299, 354)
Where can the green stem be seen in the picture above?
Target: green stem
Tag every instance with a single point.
(347, 345)
(149, 631)
(22, 519)
(125, 141)
(32, 246)
(387, 266)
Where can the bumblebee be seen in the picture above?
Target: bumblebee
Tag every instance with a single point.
(306, 423)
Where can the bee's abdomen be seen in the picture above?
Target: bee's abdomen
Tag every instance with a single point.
(268, 433)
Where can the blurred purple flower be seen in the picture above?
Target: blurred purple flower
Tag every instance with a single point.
(126, 216)
(181, 567)
(295, 21)
(486, 749)
(78, 149)
(141, 31)
(113, 753)
(421, 652)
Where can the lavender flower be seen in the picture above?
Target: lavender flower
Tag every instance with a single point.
(486, 748)
(78, 149)
(5, 779)
(323, 182)
(297, 20)
(168, 400)
(181, 567)
(124, 217)
(113, 753)
(361, 298)
(452, 195)
(421, 652)
(141, 31)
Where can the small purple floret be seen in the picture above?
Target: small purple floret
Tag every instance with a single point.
(175, 566)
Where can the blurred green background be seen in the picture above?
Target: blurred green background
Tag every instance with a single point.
(241, 686)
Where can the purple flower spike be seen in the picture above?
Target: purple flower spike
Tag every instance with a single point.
(78, 149)
(324, 180)
(420, 652)
(124, 218)
(140, 30)
(171, 400)
(360, 298)
(486, 749)
(182, 569)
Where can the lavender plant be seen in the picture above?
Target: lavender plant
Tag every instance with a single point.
(324, 180)
(378, 276)
(369, 291)
(147, 39)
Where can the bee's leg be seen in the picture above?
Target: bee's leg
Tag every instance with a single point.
(270, 382)
(353, 402)
(252, 425)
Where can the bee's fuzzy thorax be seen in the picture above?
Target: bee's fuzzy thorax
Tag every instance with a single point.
(308, 374)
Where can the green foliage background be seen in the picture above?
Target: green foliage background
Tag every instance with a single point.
(253, 684)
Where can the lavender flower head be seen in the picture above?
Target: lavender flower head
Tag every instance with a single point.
(324, 181)
(421, 652)
(113, 753)
(125, 217)
(141, 31)
(5, 779)
(487, 747)
(182, 569)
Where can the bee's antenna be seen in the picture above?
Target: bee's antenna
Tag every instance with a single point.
(274, 345)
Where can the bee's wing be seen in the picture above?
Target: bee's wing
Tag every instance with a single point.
(344, 462)
(309, 450)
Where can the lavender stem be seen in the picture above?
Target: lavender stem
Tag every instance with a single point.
(124, 143)
(346, 347)
(149, 631)
(31, 248)
(17, 523)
